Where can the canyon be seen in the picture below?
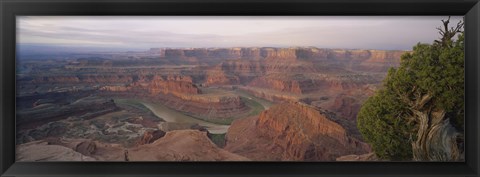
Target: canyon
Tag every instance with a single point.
(198, 104)
(292, 132)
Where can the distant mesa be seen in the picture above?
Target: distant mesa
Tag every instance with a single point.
(305, 53)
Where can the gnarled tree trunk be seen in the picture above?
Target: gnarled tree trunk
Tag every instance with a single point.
(437, 139)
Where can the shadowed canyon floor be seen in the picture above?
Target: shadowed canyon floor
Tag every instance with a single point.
(215, 104)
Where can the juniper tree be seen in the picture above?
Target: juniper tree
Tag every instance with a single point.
(419, 112)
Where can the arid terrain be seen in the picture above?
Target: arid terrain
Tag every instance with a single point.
(197, 104)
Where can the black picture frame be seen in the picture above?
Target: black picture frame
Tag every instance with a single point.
(11, 8)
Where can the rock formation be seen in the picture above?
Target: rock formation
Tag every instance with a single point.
(346, 106)
(178, 145)
(212, 84)
(305, 53)
(363, 157)
(219, 77)
(280, 84)
(42, 151)
(85, 108)
(179, 93)
(175, 85)
(286, 86)
(299, 132)
(182, 145)
(271, 95)
(207, 106)
(151, 136)
(60, 149)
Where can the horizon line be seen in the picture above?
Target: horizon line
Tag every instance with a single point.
(210, 47)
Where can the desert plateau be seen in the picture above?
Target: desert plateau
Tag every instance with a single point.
(227, 103)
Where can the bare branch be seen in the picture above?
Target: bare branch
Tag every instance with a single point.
(446, 33)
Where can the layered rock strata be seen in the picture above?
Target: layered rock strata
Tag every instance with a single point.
(299, 133)
(181, 94)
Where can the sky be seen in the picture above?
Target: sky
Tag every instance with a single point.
(144, 32)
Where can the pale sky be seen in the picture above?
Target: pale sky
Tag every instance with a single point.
(136, 32)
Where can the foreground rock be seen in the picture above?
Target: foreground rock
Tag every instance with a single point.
(41, 151)
(363, 157)
(64, 149)
(182, 145)
(151, 136)
(178, 145)
(291, 132)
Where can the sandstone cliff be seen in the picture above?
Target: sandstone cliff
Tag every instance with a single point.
(304, 83)
(232, 53)
(308, 53)
(270, 95)
(182, 145)
(175, 85)
(157, 84)
(179, 93)
(150, 136)
(346, 106)
(291, 131)
(357, 60)
(219, 77)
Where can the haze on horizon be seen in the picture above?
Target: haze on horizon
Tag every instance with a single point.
(143, 32)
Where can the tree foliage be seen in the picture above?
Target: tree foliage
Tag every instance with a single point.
(430, 79)
(382, 124)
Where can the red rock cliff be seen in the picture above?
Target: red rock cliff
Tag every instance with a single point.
(291, 131)
(175, 85)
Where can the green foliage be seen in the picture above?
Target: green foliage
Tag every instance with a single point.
(382, 124)
(218, 139)
(437, 70)
(431, 69)
(256, 107)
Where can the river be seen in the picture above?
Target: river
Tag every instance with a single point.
(171, 115)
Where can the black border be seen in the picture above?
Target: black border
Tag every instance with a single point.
(10, 8)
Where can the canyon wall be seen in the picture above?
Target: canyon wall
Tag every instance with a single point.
(355, 59)
(180, 93)
(306, 53)
(298, 132)
(306, 83)
(175, 85)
